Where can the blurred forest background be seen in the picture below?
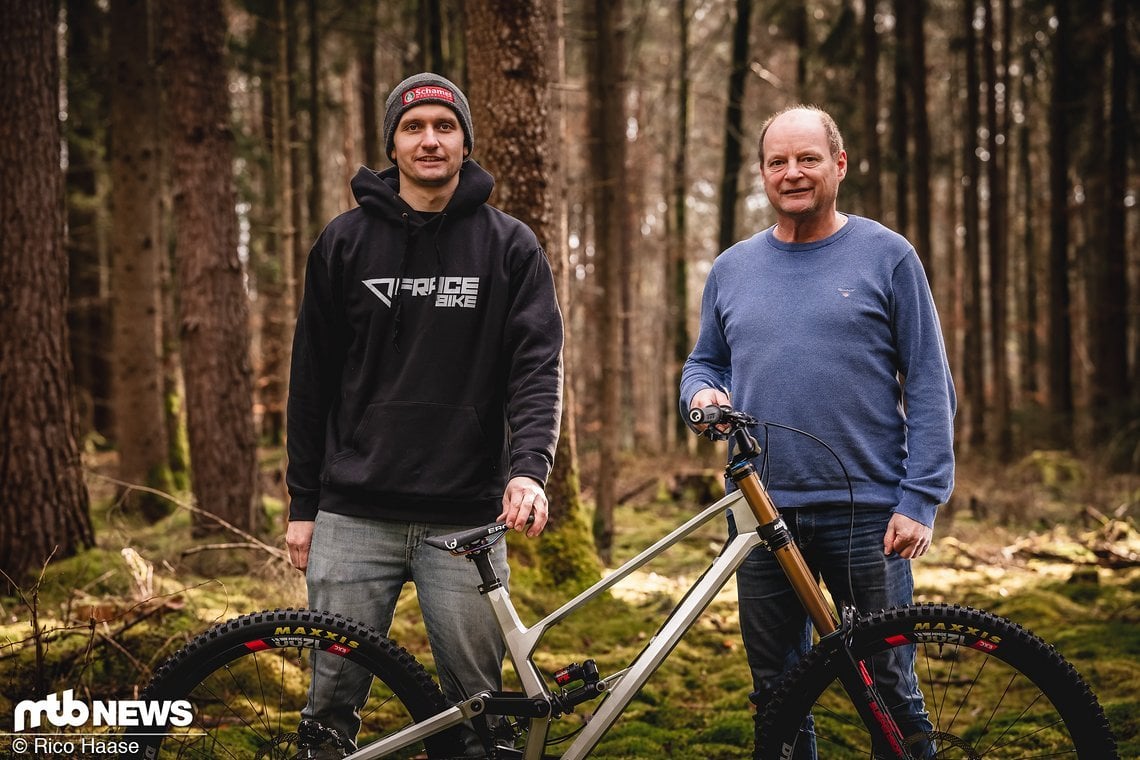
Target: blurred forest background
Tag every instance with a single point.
(165, 167)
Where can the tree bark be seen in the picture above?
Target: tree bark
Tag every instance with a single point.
(215, 311)
(900, 116)
(519, 127)
(85, 239)
(973, 377)
(43, 499)
(136, 256)
(677, 291)
(1107, 284)
(873, 155)
(734, 124)
(610, 208)
(923, 234)
(1059, 345)
(1001, 436)
(370, 119)
(315, 199)
(275, 269)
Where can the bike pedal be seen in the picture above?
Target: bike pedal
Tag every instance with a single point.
(318, 742)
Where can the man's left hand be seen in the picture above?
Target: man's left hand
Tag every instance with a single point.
(523, 497)
(909, 538)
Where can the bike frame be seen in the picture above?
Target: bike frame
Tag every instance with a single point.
(757, 523)
(620, 687)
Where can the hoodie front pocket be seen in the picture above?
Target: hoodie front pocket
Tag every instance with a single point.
(417, 448)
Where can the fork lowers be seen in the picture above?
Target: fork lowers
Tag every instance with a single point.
(777, 539)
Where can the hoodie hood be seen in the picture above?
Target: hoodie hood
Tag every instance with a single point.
(378, 192)
(378, 195)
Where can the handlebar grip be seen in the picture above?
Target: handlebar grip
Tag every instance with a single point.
(709, 415)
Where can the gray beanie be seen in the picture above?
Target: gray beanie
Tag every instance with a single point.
(424, 88)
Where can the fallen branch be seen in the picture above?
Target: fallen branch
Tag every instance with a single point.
(216, 547)
(251, 539)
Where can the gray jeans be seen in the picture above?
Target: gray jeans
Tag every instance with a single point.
(357, 567)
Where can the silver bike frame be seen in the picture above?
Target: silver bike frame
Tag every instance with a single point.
(621, 687)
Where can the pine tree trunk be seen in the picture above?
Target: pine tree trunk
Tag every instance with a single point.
(215, 313)
(371, 120)
(88, 255)
(519, 128)
(999, 415)
(136, 250)
(973, 358)
(313, 159)
(923, 234)
(677, 291)
(43, 499)
(873, 155)
(610, 209)
(733, 124)
(1059, 341)
(900, 116)
(275, 272)
(1107, 279)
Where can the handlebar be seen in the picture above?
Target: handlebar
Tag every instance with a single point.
(709, 415)
(720, 414)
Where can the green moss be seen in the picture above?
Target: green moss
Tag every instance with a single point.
(696, 706)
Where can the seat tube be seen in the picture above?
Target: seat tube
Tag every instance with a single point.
(779, 541)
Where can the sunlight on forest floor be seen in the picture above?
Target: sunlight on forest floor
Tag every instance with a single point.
(1047, 541)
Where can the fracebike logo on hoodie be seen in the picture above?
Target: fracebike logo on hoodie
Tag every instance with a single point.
(449, 292)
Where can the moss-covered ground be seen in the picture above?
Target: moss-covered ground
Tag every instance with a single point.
(1045, 543)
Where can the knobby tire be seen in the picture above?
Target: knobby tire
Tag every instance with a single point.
(247, 679)
(993, 690)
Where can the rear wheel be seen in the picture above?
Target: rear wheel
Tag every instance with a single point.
(993, 690)
(247, 680)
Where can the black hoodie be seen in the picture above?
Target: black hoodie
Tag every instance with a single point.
(427, 359)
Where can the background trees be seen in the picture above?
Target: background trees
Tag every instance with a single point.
(999, 135)
(43, 500)
(214, 313)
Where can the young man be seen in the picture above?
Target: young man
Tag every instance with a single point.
(825, 323)
(425, 397)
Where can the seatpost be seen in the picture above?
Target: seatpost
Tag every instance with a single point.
(482, 560)
(774, 531)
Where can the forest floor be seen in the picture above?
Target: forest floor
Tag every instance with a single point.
(1050, 542)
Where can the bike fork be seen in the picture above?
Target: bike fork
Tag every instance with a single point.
(857, 681)
(853, 674)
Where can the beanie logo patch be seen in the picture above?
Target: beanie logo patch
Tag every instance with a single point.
(433, 92)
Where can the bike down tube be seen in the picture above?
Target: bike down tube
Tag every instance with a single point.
(663, 642)
(522, 642)
(452, 716)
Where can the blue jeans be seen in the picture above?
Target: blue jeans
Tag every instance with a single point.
(777, 632)
(357, 567)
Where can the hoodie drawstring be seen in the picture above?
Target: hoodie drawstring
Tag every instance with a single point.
(397, 298)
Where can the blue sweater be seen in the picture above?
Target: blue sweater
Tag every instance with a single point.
(839, 338)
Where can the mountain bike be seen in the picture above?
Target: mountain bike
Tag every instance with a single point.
(992, 689)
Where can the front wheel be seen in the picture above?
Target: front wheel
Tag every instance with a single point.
(992, 690)
(247, 679)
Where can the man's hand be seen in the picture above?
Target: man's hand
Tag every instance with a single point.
(298, 537)
(909, 538)
(709, 397)
(523, 496)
